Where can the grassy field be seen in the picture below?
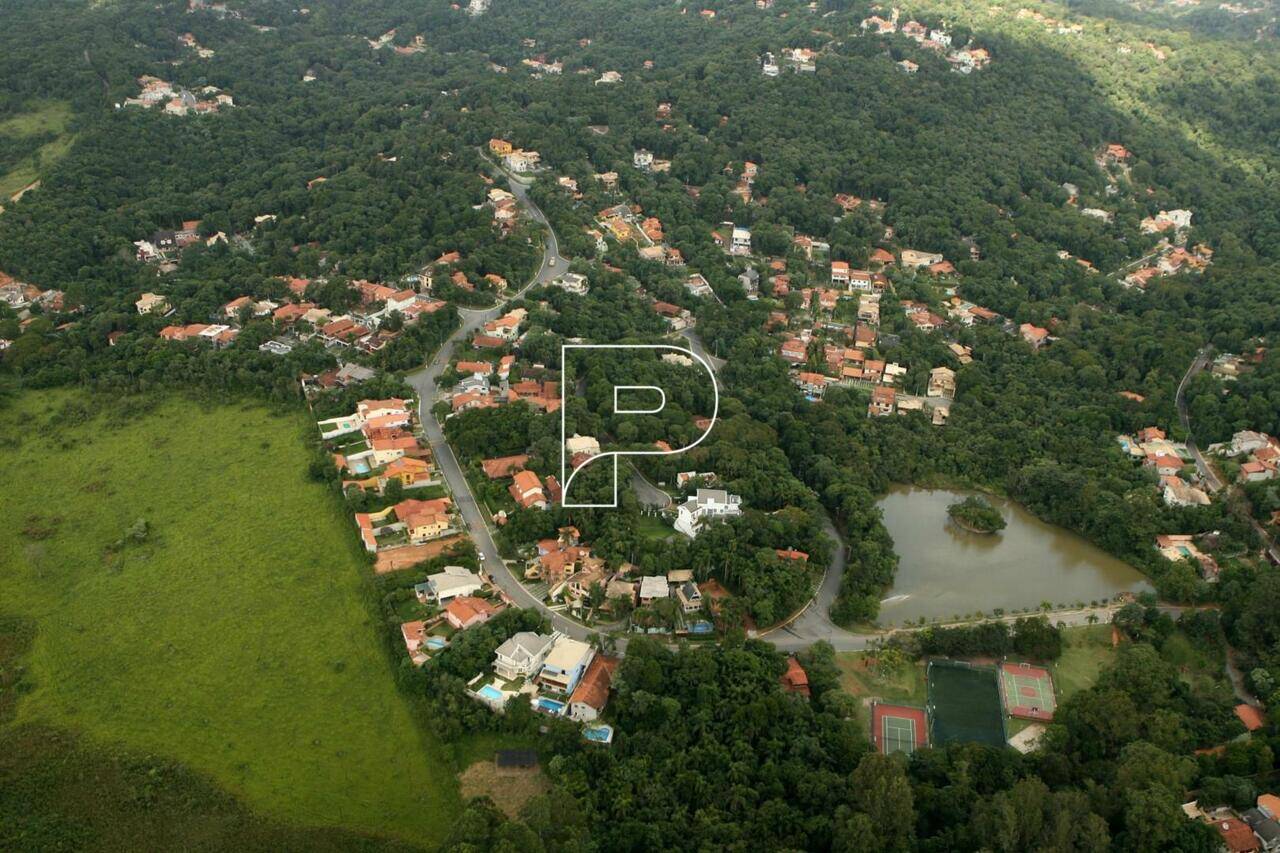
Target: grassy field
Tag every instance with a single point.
(234, 637)
(44, 117)
(652, 527)
(903, 685)
(1086, 652)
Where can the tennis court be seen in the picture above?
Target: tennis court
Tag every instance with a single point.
(898, 728)
(1028, 691)
(964, 704)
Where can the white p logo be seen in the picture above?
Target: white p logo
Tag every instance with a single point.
(613, 455)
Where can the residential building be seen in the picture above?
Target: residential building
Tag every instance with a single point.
(527, 491)
(1034, 335)
(152, 303)
(565, 664)
(653, 588)
(1236, 836)
(912, 259)
(592, 693)
(697, 285)
(523, 654)
(572, 282)
(415, 637)
(689, 596)
(704, 505)
(882, 400)
(942, 382)
(504, 466)
(582, 445)
(522, 161)
(465, 611)
(1177, 492)
(795, 679)
(454, 581)
(740, 243)
(1265, 826)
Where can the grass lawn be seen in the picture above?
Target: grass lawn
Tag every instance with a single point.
(902, 686)
(44, 117)
(235, 638)
(653, 527)
(1086, 652)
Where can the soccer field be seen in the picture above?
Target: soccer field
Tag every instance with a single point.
(964, 702)
(234, 636)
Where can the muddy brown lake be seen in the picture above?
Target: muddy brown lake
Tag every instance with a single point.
(945, 571)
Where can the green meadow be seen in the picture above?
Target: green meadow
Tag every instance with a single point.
(42, 119)
(195, 597)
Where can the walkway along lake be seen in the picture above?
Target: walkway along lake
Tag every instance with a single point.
(945, 571)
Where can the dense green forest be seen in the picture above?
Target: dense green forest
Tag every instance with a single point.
(990, 169)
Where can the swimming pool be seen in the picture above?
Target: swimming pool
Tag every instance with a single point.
(599, 734)
(438, 643)
(550, 706)
(490, 692)
(358, 466)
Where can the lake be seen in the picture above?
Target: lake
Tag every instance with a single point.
(944, 571)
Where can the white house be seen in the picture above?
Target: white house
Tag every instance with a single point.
(453, 582)
(572, 282)
(152, 303)
(653, 588)
(522, 655)
(642, 159)
(697, 285)
(706, 504)
(740, 243)
(565, 664)
(585, 444)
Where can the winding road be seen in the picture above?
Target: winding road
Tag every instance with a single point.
(1207, 474)
(424, 383)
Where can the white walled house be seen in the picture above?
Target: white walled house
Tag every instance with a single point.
(706, 504)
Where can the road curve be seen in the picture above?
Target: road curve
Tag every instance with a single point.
(1206, 473)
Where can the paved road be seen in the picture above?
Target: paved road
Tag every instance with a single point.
(813, 623)
(649, 495)
(698, 348)
(1206, 472)
(424, 383)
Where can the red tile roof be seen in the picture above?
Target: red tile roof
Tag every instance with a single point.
(504, 466)
(593, 689)
(795, 679)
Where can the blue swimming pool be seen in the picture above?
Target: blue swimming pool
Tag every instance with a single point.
(438, 643)
(357, 466)
(550, 706)
(490, 692)
(599, 734)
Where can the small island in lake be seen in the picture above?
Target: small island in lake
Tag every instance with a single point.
(976, 515)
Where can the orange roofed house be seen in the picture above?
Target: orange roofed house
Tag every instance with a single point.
(421, 521)
(795, 679)
(527, 490)
(592, 692)
(467, 610)
(504, 466)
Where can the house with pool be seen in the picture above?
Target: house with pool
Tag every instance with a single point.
(522, 655)
(565, 665)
